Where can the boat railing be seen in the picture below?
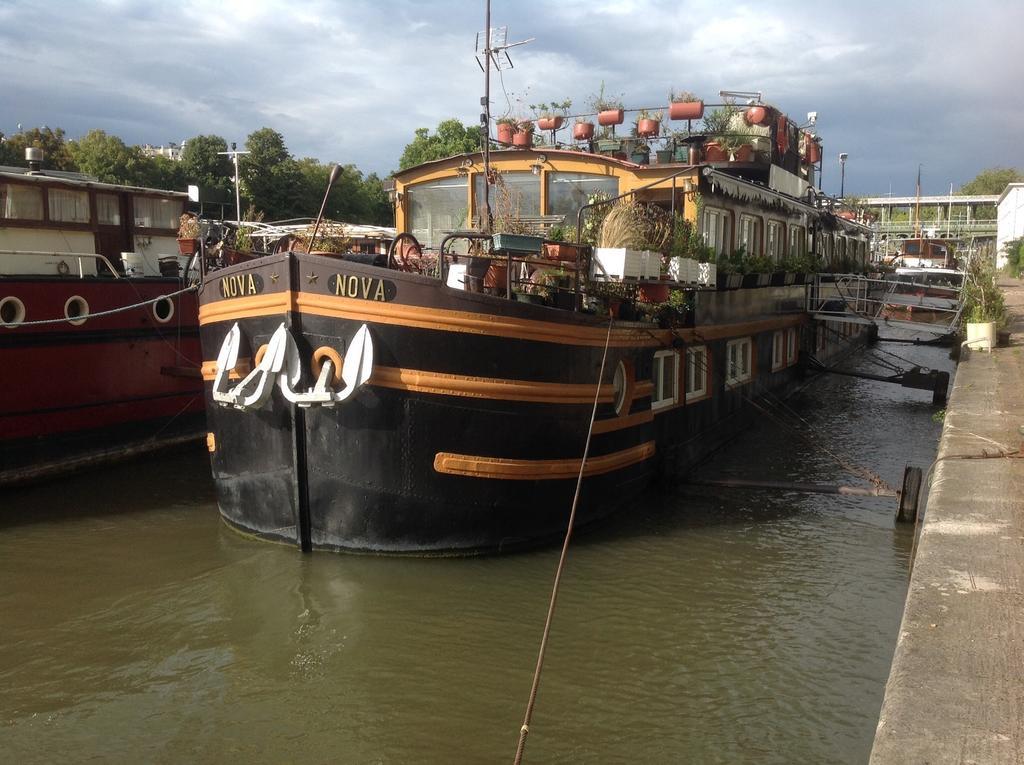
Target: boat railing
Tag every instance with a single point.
(79, 256)
(869, 300)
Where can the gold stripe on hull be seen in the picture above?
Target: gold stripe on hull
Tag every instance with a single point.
(441, 384)
(538, 470)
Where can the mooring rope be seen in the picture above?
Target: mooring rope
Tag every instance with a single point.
(85, 316)
(524, 731)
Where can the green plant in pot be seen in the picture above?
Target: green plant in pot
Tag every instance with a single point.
(984, 311)
(551, 116)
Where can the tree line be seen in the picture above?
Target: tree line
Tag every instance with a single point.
(273, 182)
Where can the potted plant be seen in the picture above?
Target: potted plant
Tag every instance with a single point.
(640, 153)
(241, 249)
(522, 138)
(557, 248)
(684, 106)
(583, 130)
(717, 128)
(648, 124)
(608, 108)
(984, 306)
(551, 116)
(188, 234)
(506, 127)
(631, 241)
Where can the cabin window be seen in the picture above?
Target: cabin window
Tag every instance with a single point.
(774, 241)
(68, 206)
(696, 372)
(737, 361)
(791, 345)
(568, 192)
(514, 195)
(437, 208)
(665, 375)
(750, 234)
(154, 212)
(108, 209)
(715, 229)
(20, 201)
(797, 240)
(778, 350)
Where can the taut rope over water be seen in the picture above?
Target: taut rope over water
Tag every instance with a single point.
(524, 731)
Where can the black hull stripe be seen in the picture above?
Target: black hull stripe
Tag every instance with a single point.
(43, 339)
(111, 402)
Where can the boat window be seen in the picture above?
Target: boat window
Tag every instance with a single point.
(797, 240)
(715, 229)
(163, 310)
(514, 195)
(437, 208)
(737, 359)
(76, 310)
(791, 345)
(778, 350)
(12, 311)
(665, 375)
(154, 212)
(774, 242)
(620, 384)
(696, 372)
(108, 209)
(20, 201)
(750, 234)
(68, 205)
(568, 192)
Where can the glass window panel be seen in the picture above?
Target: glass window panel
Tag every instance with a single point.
(108, 209)
(154, 212)
(437, 208)
(21, 201)
(515, 194)
(69, 206)
(568, 192)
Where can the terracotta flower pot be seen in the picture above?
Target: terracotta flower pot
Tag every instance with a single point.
(522, 139)
(496, 276)
(583, 131)
(812, 151)
(561, 251)
(713, 152)
(611, 117)
(686, 110)
(550, 123)
(188, 246)
(755, 115)
(654, 293)
(648, 128)
(505, 130)
(744, 153)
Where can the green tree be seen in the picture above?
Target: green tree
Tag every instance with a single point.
(202, 164)
(991, 181)
(271, 179)
(450, 138)
(106, 157)
(159, 173)
(7, 154)
(54, 143)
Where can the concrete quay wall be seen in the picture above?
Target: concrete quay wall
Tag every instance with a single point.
(955, 692)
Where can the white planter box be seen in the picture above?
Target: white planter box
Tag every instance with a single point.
(707, 274)
(981, 336)
(621, 263)
(683, 270)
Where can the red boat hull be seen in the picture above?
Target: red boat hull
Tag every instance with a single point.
(104, 386)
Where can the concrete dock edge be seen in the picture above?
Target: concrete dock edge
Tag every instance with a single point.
(955, 692)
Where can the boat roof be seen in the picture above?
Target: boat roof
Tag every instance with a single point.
(78, 180)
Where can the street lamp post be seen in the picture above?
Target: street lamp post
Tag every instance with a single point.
(238, 202)
(842, 174)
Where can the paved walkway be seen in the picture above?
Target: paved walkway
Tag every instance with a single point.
(956, 688)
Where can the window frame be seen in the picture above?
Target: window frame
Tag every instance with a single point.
(704, 391)
(659, 399)
(778, 350)
(746, 346)
(792, 349)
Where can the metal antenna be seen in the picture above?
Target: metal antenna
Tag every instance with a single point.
(238, 202)
(335, 172)
(494, 45)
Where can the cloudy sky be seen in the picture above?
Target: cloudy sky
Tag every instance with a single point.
(895, 84)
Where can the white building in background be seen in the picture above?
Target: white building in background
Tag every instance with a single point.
(1010, 219)
(171, 150)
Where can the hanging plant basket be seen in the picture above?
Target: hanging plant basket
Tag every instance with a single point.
(522, 139)
(583, 131)
(648, 128)
(686, 110)
(743, 153)
(611, 117)
(505, 131)
(550, 123)
(756, 115)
